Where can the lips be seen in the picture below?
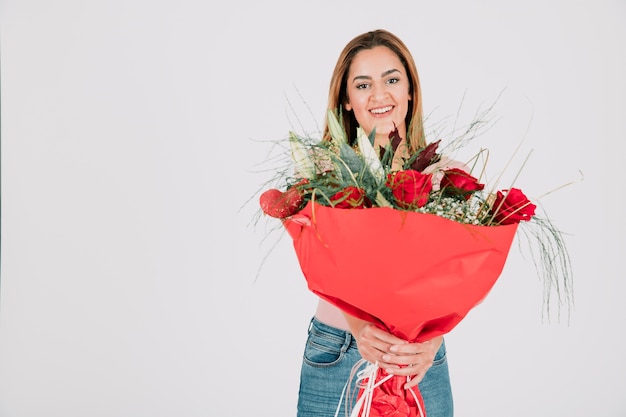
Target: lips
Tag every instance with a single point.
(381, 110)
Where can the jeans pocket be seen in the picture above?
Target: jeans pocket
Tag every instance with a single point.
(324, 349)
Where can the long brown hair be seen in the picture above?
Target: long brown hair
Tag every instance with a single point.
(337, 96)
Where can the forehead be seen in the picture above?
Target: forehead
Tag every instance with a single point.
(375, 61)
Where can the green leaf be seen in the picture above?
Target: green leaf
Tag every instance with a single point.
(351, 163)
(381, 201)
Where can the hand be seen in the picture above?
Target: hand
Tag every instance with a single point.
(394, 355)
(412, 359)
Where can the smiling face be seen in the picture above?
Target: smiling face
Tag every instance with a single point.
(378, 92)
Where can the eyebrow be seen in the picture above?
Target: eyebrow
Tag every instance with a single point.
(367, 77)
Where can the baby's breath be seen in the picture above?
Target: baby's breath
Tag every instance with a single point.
(466, 212)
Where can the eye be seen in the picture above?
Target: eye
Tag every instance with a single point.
(362, 86)
(393, 81)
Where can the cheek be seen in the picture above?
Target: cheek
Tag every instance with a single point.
(405, 99)
(361, 118)
(406, 105)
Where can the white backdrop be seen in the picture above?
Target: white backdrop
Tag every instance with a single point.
(131, 134)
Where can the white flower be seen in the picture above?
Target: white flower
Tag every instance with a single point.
(335, 129)
(304, 165)
(369, 155)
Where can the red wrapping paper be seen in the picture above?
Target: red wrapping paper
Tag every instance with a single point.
(416, 275)
(390, 399)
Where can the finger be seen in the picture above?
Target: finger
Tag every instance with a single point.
(414, 381)
(410, 356)
(411, 348)
(411, 369)
(402, 360)
(372, 348)
(374, 351)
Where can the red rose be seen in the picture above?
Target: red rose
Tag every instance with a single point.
(350, 197)
(277, 204)
(512, 207)
(458, 182)
(410, 188)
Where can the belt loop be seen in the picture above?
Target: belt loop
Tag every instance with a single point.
(347, 342)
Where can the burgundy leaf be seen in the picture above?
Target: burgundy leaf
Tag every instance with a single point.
(427, 156)
(394, 138)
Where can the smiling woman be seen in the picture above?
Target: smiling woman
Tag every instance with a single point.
(378, 93)
(370, 67)
(375, 81)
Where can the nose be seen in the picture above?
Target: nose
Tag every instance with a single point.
(378, 92)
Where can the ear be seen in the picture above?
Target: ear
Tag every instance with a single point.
(347, 106)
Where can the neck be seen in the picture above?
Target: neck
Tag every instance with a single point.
(380, 141)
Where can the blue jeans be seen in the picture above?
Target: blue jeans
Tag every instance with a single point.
(329, 356)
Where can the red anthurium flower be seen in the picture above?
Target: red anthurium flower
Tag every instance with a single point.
(410, 188)
(512, 206)
(350, 197)
(458, 182)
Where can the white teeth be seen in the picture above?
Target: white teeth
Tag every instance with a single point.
(381, 110)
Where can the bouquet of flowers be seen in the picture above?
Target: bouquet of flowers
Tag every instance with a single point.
(335, 174)
(410, 241)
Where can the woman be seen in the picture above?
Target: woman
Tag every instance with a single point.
(375, 83)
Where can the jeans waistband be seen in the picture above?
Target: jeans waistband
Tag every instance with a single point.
(339, 333)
